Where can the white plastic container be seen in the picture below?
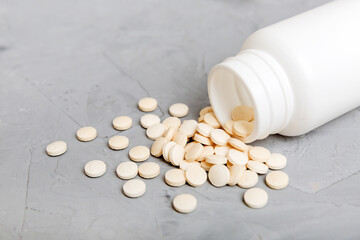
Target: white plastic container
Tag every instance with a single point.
(297, 74)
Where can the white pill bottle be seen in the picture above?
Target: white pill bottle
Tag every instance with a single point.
(297, 74)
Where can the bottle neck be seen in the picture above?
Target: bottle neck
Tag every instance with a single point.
(255, 79)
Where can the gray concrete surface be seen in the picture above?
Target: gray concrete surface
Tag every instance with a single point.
(66, 64)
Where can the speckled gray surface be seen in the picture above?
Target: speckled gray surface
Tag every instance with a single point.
(66, 64)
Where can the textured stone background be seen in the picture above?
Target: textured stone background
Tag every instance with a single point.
(66, 64)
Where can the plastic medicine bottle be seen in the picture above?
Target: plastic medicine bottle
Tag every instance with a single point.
(297, 74)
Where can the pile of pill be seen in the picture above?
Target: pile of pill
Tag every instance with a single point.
(199, 151)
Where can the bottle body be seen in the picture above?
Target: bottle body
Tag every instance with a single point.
(310, 61)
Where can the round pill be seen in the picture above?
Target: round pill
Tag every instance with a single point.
(257, 167)
(95, 168)
(148, 120)
(276, 161)
(204, 129)
(237, 158)
(219, 175)
(176, 154)
(205, 110)
(238, 144)
(242, 112)
(194, 152)
(277, 180)
(155, 131)
(184, 203)
(216, 159)
(127, 170)
(207, 151)
(122, 123)
(149, 170)
(157, 146)
(219, 137)
(222, 150)
(169, 133)
(203, 140)
(259, 154)
(172, 122)
(86, 134)
(147, 104)
(210, 119)
(243, 128)
(188, 127)
(180, 139)
(166, 149)
(175, 177)
(56, 148)
(248, 179)
(228, 126)
(195, 176)
(134, 188)
(139, 153)
(179, 110)
(255, 198)
(118, 142)
(236, 172)
(186, 164)
(188, 146)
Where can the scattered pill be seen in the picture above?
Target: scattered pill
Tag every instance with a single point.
(122, 123)
(219, 175)
(86, 134)
(236, 172)
(242, 112)
(175, 177)
(276, 161)
(257, 167)
(118, 142)
(216, 159)
(194, 152)
(56, 148)
(248, 179)
(277, 180)
(166, 149)
(256, 197)
(210, 119)
(238, 144)
(95, 168)
(155, 131)
(195, 176)
(205, 110)
(147, 104)
(243, 128)
(184, 203)
(207, 151)
(228, 126)
(176, 154)
(188, 146)
(172, 122)
(206, 166)
(204, 129)
(219, 137)
(148, 120)
(237, 157)
(127, 170)
(222, 150)
(186, 164)
(134, 188)
(149, 170)
(179, 110)
(157, 146)
(259, 154)
(169, 133)
(180, 139)
(203, 140)
(139, 153)
(188, 127)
